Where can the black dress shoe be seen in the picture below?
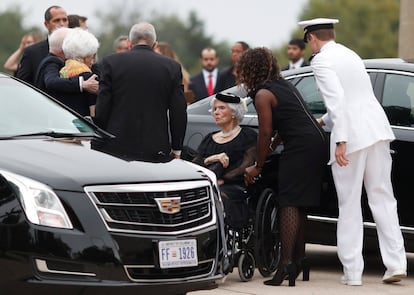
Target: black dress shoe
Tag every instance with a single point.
(289, 272)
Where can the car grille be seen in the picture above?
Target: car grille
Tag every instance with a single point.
(154, 207)
(138, 273)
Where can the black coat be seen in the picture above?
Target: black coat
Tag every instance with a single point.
(141, 101)
(31, 59)
(199, 87)
(226, 79)
(66, 90)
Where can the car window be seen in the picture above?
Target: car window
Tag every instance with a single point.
(24, 110)
(200, 107)
(310, 93)
(398, 99)
(251, 110)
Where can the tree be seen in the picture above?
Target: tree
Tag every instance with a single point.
(12, 19)
(113, 25)
(187, 38)
(369, 27)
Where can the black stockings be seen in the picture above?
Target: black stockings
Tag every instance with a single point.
(292, 234)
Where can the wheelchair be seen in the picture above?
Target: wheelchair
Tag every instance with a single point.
(252, 227)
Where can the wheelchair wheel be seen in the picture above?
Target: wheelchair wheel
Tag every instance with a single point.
(246, 266)
(266, 231)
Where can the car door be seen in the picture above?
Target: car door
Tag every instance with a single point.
(395, 90)
(397, 99)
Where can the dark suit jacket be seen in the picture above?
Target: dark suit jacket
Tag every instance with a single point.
(32, 57)
(140, 101)
(304, 64)
(199, 87)
(227, 79)
(66, 90)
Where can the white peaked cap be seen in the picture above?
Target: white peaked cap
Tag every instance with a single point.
(316, 24)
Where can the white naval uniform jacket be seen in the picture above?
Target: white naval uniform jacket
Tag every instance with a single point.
(353, 113)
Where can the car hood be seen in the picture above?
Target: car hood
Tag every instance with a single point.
(72, 164)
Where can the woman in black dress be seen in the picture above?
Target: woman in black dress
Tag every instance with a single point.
(281, 108)
(229, 151)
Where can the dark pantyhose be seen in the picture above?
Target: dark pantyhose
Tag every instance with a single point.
(292, 248)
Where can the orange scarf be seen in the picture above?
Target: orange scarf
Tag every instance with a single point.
(73, 68)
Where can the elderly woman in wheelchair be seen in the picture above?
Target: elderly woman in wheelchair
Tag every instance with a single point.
(228, 152)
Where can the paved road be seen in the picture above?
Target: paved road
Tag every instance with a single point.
(324, 279)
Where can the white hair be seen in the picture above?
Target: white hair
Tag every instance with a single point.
(143, 32)
(80, 43)
(239, 109)
(57, 38)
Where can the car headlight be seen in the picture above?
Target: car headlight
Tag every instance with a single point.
(41, 205)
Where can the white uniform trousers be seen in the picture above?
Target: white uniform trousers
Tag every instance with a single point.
(372, 167)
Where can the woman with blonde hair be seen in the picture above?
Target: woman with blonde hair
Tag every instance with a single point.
(12, 62)
(164, 48)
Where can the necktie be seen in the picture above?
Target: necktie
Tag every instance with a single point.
(210, 88)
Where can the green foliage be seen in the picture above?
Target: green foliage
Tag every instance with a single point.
(369, 27)
(186, 38)
(112, 25)
(11, 19)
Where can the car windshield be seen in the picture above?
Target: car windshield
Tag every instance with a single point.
(25, 111)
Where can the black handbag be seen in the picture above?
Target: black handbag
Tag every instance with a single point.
(217, 168)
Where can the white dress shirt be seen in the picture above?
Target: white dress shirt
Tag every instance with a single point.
(206, 76)
(296, 65)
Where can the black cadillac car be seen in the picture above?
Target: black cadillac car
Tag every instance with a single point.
(74, 220)
(393, 83)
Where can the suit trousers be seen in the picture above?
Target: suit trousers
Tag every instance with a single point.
(370, 167)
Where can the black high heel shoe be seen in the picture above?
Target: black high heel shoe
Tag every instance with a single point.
(304, 267)
(289, 272)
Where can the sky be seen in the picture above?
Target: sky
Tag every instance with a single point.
(257, 22)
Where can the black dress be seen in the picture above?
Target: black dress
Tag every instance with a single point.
(305, 147)
(241, 151)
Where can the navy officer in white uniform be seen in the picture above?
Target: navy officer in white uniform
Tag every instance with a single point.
(360, 153)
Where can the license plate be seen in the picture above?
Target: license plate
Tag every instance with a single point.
(178, 253)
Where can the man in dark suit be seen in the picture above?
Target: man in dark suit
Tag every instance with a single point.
(296, 52)
(64, 89)
(55, 17)
(228, 76)
(207, 82)
(141, 101)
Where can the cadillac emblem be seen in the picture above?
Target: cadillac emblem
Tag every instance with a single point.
(169, 205)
